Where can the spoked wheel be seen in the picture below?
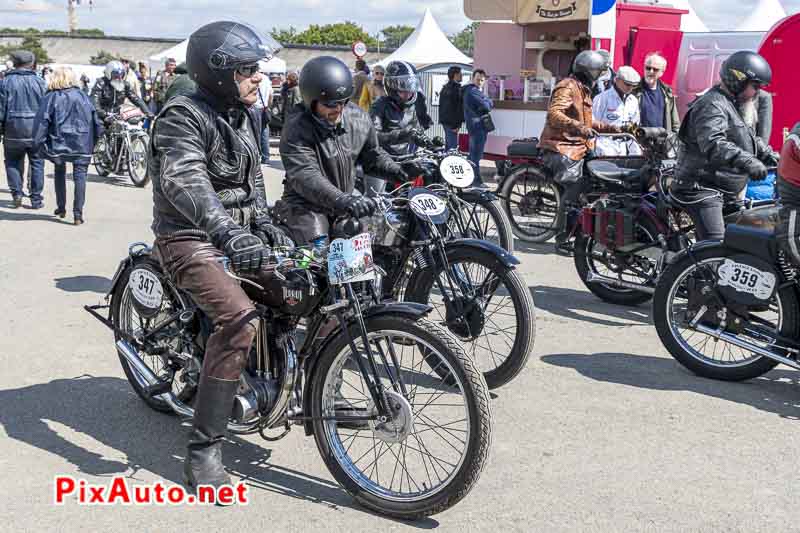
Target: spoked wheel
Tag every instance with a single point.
(701, 353)
(640, 267)
(137, 161)
(127, 318)
(531, 201)
(486, 305)
(428, 454)
(485, 220)
(102, 162)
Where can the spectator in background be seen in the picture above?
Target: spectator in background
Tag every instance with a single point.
(65, 130)
(374, 90)
(360, 79)
(290, 96)
(85, 81)
(20, 98)
(163, 80)
(264, 103)
(606, 81)
(476, 106)
(131, 77)
(451, 107)
(761, 119)
(616, 106)
(182, 85)
(657, 106)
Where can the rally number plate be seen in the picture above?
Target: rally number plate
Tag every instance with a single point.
(747, 279)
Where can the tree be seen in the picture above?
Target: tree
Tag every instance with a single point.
(102, 58)
(465, 39)
(32, 44)
(89, 32)
(342, 33)
(285, 36)
(394, 36)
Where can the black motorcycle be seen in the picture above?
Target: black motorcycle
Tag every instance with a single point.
(472, 284)
(123, 149)
(730, 310)
(399, 412)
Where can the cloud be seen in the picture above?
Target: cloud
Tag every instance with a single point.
(26, 6)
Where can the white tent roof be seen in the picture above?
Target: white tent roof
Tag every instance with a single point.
(763, 17)
(690, 23)
(426, 46)
(178, 52)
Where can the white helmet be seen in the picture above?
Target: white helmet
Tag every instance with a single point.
(115, 73)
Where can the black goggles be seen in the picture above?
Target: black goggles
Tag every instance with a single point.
(247, 71)
(334, 105)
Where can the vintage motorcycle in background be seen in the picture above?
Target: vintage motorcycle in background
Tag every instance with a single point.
(124, 147)
(399, 412)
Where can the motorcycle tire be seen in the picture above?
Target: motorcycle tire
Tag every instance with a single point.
(496, 370)
(138, 149)
(584, 244)
(495, 217)
(98, 159)
(544, 195)
(468, 383)
(121, 305)
(667, 288)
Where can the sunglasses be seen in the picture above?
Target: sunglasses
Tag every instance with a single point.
(379, 73)
(334, 105)
(247, 71)
(652, 69)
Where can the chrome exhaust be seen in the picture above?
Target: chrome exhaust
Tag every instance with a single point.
(597, 278)
(736, 341)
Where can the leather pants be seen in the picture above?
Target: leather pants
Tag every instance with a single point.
(193, 265)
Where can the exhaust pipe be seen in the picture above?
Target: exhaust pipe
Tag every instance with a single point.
(597, 278)
(132, 357)
(736, 341)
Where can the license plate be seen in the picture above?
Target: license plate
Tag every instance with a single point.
(457, 171)
(747, 279)
(350, 260)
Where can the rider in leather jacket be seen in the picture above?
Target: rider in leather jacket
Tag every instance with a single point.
(111, 90)
(320, 148)
(396, 115)
(716, 138)
(208, 186)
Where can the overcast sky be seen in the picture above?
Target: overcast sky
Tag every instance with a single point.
(178, 18)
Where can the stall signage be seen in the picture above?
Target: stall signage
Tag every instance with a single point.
(557, 13)
(529, 11)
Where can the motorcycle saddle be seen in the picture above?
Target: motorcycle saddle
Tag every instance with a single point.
(753, 231)
(610, 170)
(524, 148)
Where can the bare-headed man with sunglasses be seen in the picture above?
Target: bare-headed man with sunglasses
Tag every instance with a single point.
(657, 105)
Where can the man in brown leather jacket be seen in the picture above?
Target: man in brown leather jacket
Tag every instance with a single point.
(569, 132)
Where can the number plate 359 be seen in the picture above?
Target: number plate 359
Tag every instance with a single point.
(747, 279)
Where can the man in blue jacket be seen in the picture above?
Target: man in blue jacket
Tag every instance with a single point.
(20, 96)
(476, 105)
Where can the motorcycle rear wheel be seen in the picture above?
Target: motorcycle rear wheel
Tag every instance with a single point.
(137, 161)
(531, 201)
(458, 428)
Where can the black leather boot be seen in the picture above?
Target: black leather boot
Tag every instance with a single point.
(203, 465)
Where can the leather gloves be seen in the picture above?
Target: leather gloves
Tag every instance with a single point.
(246, 251)
(755, 169)
(274, 236)
(357, 206)
(413, 169)
(771, 159)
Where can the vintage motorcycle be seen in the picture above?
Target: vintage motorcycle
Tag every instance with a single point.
(399, 412)
(730, 310)
(472, 284)
(124, 147)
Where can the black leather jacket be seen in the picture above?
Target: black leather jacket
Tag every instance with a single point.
(320, 163)
(205, 167)
(394, 125)
(716, 138)
(107, 99)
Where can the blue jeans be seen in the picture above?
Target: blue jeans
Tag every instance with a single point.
(15, 170)
(477, 142)
(450, 138)
(265, 145)
(79, 170)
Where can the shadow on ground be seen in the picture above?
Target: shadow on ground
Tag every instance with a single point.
(776, 392)
(107, 410)
(584, 306)
(97, 284)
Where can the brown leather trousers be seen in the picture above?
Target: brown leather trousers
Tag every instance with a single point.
(193, 265)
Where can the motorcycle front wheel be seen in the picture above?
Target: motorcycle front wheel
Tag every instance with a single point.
(430, 452)
(100, 158)
(531, 202)
(485, 220)
(137, 161)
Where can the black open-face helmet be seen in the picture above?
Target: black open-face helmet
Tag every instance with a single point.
(326, 79)
(589, 66)
(401, 77)
(219, 49)
(742, 68)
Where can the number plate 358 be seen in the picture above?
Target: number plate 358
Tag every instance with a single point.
(747, 279)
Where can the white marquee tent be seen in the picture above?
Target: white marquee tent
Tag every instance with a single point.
(690, 23)
(178, 52)
(428, 45)
(763, 17)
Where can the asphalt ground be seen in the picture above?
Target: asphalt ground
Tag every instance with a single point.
(603, 431)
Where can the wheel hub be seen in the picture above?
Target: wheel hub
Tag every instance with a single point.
(467, 324)
(400, 422)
